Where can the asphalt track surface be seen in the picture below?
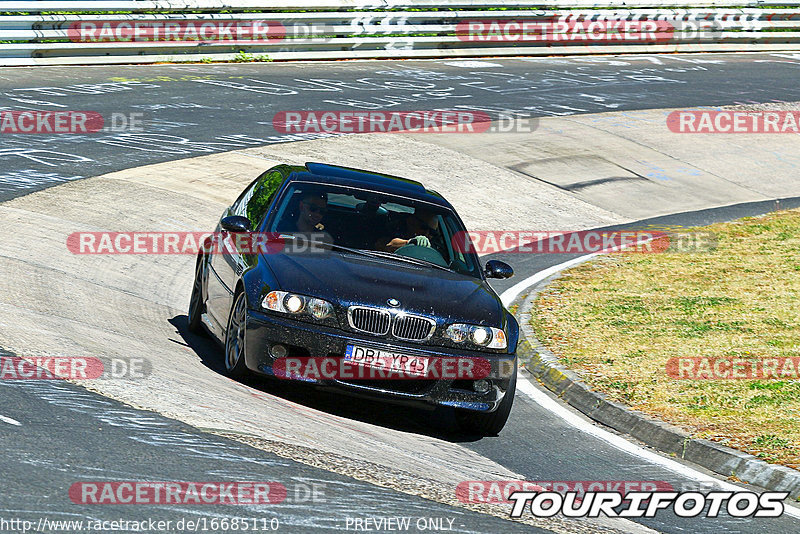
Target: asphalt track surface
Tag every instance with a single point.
(70, 435)
(191, 110)
(67, 433)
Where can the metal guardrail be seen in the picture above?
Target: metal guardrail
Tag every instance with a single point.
(143, 31)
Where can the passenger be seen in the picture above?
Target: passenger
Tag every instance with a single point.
(421, 228)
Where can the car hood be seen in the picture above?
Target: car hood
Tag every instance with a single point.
(345, 279)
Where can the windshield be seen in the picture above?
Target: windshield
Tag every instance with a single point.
(376, 222)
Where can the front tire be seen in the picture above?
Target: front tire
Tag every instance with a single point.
(235, 338)
(197, 306)
(489, 424)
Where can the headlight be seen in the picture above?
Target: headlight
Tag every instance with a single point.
(293, 303)
(284, 302)
(320, 308)
(482, 336)
(457, 332)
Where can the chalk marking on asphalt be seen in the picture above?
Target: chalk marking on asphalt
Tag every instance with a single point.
(10, 421)
(581, 424)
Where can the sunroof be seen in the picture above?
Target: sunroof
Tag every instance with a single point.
(365, 176)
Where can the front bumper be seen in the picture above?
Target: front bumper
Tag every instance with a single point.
(310, 340)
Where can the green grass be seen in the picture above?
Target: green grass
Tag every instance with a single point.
(618, 320)
(244, 57)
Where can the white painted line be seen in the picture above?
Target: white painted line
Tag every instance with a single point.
(10, 421)
(470, 64)
(581, 424)
(624, 445)
(513, 292)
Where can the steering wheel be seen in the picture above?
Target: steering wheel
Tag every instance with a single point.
(422, 253)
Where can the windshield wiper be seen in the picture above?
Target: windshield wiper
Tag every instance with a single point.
(360, 252)
(382, 254)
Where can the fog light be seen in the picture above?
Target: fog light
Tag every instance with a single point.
(278, 351)
(481, 386)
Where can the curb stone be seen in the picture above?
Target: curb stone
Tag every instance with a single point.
(567, 385)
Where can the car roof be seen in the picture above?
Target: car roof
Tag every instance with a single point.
(349, 177)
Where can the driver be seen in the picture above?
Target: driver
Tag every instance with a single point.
(313, 207)
(421, 228)
(305, 224)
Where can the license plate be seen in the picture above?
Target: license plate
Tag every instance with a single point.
(387, 361)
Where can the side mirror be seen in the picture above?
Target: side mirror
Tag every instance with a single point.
(235, 223)
(498, 269)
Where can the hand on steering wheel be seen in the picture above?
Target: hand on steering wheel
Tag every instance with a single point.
(420, 241)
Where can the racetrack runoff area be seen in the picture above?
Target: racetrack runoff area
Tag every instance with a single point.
(702, 339)
(56, 303)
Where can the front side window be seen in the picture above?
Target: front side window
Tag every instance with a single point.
(262, 196)
(255, 200)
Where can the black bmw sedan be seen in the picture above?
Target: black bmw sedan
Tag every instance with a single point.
(356, 282)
